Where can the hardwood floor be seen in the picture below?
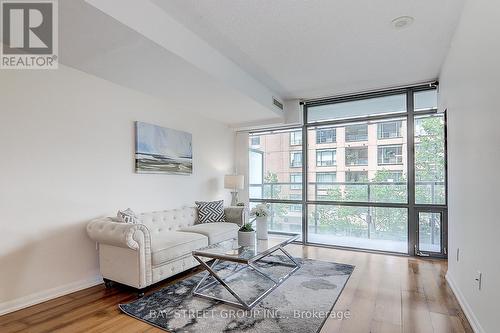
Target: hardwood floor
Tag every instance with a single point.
(384, 294)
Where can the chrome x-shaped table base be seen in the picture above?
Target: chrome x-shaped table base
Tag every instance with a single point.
(198, 290)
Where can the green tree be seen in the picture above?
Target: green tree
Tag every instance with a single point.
(370, 222)
(389, 222)
(272, 190)
(381, 190)
(342, 220)
(430, 161)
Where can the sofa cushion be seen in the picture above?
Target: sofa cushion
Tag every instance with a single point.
(216, 231)
(172, 245)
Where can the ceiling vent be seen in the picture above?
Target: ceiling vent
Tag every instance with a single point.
(278, 104)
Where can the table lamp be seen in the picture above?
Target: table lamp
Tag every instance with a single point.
(234, 183)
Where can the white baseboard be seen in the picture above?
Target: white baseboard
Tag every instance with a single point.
(45, 295)
(474, 323)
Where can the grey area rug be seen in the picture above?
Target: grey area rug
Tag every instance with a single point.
(300, 304)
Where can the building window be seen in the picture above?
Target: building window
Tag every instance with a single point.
(356, 156)
(356, 132)
(296, 138)
(296, 180)
(389, 130)
(324, 180)
(326, 135)
(255, 140)
(356, 176)
(326, 157)
(390, 155)
(296, 207)
(326, 177)
(295, 159)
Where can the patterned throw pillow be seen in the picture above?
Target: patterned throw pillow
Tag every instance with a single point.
(127, 216)
(212, 211)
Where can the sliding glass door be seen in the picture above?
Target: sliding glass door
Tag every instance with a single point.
(358, 173)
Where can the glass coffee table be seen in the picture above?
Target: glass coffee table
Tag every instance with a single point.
(253, 258)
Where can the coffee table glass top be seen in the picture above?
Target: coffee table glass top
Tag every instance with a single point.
(230, 250)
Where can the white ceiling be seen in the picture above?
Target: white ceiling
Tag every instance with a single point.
(305, 49)
(98, 44)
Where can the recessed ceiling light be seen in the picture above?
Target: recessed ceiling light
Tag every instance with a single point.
(402, 22)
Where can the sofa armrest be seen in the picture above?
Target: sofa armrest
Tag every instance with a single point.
(235, 214)
(126, 235)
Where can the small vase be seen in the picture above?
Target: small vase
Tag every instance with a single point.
(246, 238)
(262, 227)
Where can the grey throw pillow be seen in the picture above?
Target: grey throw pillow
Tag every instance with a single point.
(211, 211)
(127, 216)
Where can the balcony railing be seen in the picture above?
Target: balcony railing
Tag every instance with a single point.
(287, 217)
(427, 192)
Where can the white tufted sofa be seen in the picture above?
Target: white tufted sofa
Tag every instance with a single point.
(159, 246)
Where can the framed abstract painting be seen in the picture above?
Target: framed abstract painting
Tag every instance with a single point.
(162, 150)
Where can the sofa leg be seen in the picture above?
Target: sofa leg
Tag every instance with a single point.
(108, 283)
(140, 292)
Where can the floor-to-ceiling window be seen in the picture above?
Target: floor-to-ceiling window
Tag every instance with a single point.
(276, 171)
(365, 171)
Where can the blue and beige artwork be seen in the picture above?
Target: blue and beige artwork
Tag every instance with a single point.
(162, 150)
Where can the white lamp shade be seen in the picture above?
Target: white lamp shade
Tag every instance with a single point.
(234, 182)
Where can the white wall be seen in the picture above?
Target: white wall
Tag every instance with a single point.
(67, 143)
(470, 86)
(241, 163)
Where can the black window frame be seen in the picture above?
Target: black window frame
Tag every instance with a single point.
(412, 208)
(296, 207)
